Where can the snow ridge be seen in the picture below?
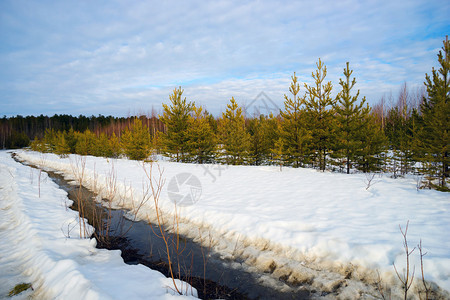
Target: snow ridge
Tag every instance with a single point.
(35, 246)
(30, 240)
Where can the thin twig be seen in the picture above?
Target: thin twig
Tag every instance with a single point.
(405, 279)
(425, 286)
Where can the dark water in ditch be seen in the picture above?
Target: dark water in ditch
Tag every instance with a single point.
(141, 243)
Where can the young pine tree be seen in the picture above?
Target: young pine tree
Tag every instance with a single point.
(114, 146)
(271, 129)
(261, 139)
(433, 139)
(62, 148)
(201, 140)
(294, 136)
(71, 140)
(319, 104)
(86, 142)
(350, 116)
(233, 135)
(103, 146)
(136, 141)
(176, 121)
(49, 140)
(37, 145)
(373, 143)
(278, 150)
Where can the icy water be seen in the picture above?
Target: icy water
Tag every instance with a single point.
(141, 243)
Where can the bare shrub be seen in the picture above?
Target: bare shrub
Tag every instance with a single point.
(406, 278)
(156, 185)
(78, 170)
(382, 289)
(426, 288)
(369, 180)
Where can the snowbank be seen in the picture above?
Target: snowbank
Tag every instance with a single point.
(35, 246)
(295, 218)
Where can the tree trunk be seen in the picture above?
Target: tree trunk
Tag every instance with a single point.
(348, 164)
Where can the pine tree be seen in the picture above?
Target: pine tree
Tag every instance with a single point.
(271, 129)
(102, 146)
(201, 140)
(136, 141)
(175, 119)
(86, 142)
(50, 140)
(254, 129)
(373, 144)
(114, 146)
(233, 135)
(349, 114)
(261, 139)
(319, 105)
(433, 138)
(71, 140)
(278, 150)
(61, 146)
(293, 133)
(37, 145)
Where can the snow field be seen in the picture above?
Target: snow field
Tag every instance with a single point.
(35, 247)
(322, 229)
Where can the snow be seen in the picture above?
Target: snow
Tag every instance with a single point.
(295, 222)
(35, 247)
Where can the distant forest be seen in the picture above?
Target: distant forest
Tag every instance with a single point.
(19, 131)
(401, 135)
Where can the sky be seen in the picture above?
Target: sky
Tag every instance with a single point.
(125, 57)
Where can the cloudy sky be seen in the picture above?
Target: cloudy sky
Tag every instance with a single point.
(125, 57)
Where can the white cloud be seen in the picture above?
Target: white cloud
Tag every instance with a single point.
(112, 57)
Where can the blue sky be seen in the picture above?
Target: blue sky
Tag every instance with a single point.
(125, 57)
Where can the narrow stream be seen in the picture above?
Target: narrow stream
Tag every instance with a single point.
(141, 243)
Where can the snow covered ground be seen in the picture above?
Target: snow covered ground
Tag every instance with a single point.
(35, 248)
(324, 229)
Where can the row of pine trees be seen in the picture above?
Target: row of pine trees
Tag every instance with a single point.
(313, 130)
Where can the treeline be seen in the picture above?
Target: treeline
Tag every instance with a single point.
(18, 131)
(313, 129)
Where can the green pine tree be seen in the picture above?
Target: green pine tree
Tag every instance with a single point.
(136, 141)
(176, 121)
(319, 104)
(261, 139)
(37, 145)
(86, 143)
(62, 148)
(102, 146)
(278, 150)
(294, 136)
(233, 136)
(200, 137)
(369, 158)
(114, 146)
(271, 129)
(433, 138)
(349, 114)
(71, 140)
(50, 140)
